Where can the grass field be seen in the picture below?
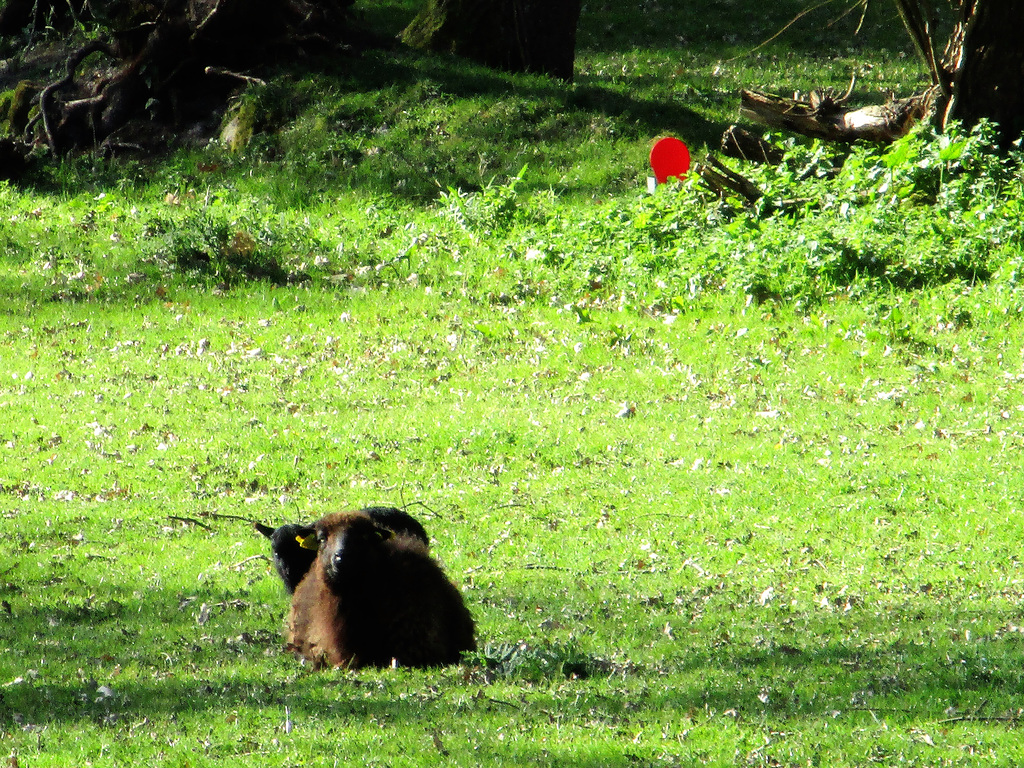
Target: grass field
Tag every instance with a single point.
(721, 486)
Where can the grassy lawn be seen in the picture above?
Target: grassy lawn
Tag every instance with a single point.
(721, 486)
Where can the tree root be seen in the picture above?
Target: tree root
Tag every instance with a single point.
(155, 83)
(46, 108)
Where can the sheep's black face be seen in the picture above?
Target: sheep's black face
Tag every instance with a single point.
(287, 537)
(291, 557)
(351, 550)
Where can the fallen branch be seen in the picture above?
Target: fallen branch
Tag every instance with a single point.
(237, 566)
(825, 116)
(236, 75)
(968, 718)
(222, 516)
(981, 719)
(723, 180)
(541, 567)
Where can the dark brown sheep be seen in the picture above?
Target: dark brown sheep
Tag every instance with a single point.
(374, 597)
(292, 561)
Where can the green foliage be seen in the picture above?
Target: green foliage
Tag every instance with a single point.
(493, 211)
(228, 243)
(922, 213)
(535, 663)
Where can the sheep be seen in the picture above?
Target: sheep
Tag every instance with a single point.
(375, 597)
(398, 521)
(292, 561)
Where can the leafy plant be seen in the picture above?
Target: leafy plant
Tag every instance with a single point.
(494, 210)
(536, 662)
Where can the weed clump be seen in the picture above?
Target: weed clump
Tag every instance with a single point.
(536, 662)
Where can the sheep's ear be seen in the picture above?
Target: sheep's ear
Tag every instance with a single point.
(309, 542)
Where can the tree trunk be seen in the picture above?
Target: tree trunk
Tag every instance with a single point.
(513, 35)
(987, 60)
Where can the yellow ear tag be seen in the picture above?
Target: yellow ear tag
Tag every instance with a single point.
(308, 542)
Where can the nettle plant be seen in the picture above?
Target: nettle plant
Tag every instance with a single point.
(920, 212)
(232, 243)
(927, 210)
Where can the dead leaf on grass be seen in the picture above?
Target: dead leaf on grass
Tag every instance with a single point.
(922, 737)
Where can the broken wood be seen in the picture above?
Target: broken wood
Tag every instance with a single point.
(743, 145)
(189, 521)
(249, 79)
(826, 116)
(723, 180)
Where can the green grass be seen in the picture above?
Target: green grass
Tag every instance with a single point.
(721, 486)
(797, 549)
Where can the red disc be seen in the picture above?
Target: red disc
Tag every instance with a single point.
(669, 157)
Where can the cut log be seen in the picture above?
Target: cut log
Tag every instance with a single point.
(825, 116)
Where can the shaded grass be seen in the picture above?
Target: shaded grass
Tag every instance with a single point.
(394, 122)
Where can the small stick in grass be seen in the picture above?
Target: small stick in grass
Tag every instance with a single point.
(190, 520)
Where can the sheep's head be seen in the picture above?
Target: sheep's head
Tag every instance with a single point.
(291, 557)
(348, 544)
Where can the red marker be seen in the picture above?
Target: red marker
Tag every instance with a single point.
(669, 157)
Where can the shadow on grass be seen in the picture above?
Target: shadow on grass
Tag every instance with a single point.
(727, 29)
(390, 153)
(382, 136)
(101, 659)
(590, 95)
(718, 28)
